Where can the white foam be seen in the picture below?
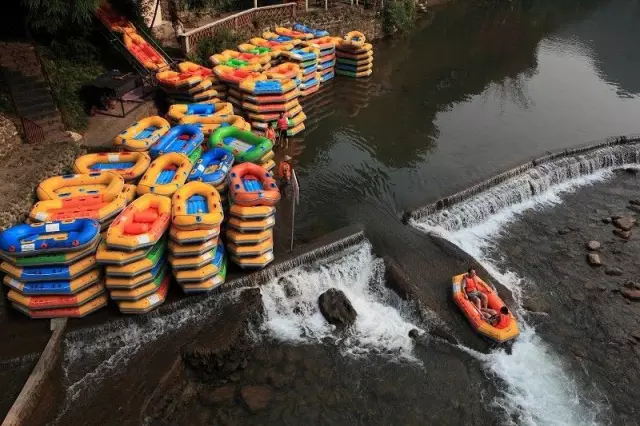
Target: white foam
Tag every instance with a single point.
(382, 324)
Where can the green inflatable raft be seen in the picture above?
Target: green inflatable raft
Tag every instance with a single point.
(245, 146)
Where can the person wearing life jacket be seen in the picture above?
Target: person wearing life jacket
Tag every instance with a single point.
(284, 171)
(501, 319)
(472, 290)
(283, 126)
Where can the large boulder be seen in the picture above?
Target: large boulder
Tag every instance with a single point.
(625, 222)
(336, 308)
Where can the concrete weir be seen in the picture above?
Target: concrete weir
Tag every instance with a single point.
(42, 375)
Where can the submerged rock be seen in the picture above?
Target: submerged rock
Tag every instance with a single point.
(442, 333)
(634, 207)
(632, 285)
(635, 202)
(606, 220)
(256, 398)
(613, 271)
(336, 308)
(625, 223)
(631, 170)
(594, 259)
(222, 395)
(564, 231)
(593, 245)
(625, 235)
(630, 294)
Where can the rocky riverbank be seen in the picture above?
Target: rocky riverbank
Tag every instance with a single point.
(581, 261)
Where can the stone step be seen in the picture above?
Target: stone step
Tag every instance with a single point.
(28, 99)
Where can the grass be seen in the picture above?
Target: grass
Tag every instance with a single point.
(224, 39)
(67, 77)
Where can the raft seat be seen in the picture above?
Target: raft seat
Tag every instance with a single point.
(166, 175)
(197, 204)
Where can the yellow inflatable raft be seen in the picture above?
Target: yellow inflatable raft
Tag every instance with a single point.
(140, 266)
(354, 39)
(165, 175)
(89, 207)
(70, 272)
(72, 286)
(179, 111)
(129, 165)
(141, 224)
(107, 184)
(106, 256)
(56, 301)
(142, 134)
(243, 225)
(258, 212)
(251, 59)
(144, 290)
(254, 262)
(191, 262)
(250, 250)
(196, 206)
(209, 124)
(191, 237)
(239, 238)
(147, 303)
(192, 91)
(189, 250)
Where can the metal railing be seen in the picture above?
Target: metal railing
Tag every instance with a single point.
(189, 39)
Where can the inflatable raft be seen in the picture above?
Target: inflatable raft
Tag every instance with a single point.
(208, 284)
(107, 256)
(61, 287)
(267, 87)
(190, 250)
(244, 145)
(209, 124)
(61, 258)
(252, 213)
(49, 273)
(195, 69)
(177, 80)
(51, 237)
(77, 312)
(354, 39)
(251, 185)
(183, 139)
(165, 175)
(196, 206)
(243, 225)
(94, 207)
(249, 58)
(144, 290)
(289, 32)
(140, 266)
(232, 75)
(144, 52)
(146, 304)
(107, 184)
(277, 47)
(305, 55)
(212, 167)
(192, 237)
(477, 321)
(141, 224)
(273, 116)
(34, 303)
(142, 134)
(179, 111)
(179, 263)
(251, 238)
(211, 269)
(284, 71)
(307, 30)
(254, 262)
(129, 165)
(128, 283)
(250, 250)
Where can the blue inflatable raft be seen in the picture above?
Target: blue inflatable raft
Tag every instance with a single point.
(304, 29)
(185, 139)
(39, 238)
(212, 167)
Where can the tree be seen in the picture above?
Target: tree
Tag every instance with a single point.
(52, 15)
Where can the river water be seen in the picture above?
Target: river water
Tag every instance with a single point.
(470, 92)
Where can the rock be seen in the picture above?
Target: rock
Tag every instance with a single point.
(630, 294)
(603, 287)
(223, 395)
(635, 202)
(256, 398)
(589, 286)
(625, 223)
(533, 305)
(578, 297)
(76, 137)
(631, 170)
(634, 208)
(336, 308)
(625, 235)
(606, 220)
(593, 245)
(635, 335)
(593, 259)
(632, 285)
(613, 271)
(442, 333)
(564, 231)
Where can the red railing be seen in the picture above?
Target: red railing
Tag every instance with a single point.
(274, 13)
(32, 131)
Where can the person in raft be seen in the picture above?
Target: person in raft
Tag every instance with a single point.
(472, 291)
(500, 319)
(284, 172)
(283, 126)
(271, 132)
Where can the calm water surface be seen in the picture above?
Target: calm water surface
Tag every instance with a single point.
(455, 102)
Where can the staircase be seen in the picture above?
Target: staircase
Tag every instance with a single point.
(35, 108)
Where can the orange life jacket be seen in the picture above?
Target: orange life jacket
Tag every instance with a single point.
(503, 321)
(471, 284)
(284, 170)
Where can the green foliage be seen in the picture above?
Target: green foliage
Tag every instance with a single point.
(222, 40)
(52, 15)
(67, 76)
(218, 5)
(398, 16)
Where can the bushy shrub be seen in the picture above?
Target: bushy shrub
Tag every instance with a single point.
(397, 16)
(222, 40)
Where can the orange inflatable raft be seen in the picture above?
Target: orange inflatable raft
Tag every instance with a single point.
(73, 312)
(34, 303)
(141, 224)
(477, 321)
(145, 304)
(251, 185)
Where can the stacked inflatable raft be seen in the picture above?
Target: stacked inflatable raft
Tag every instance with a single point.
(354, 56)
(134, 255)
(306, 57)
(253, 195)
(191, 83)
(245, 146)
(197, 255)
(51, 268)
